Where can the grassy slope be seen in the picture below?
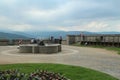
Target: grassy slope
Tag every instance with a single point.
(117, 49)
(71, 72)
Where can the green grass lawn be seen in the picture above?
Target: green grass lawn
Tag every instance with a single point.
(117, 49)
(71, 72)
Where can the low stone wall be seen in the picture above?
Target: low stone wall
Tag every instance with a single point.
(34, 48)
(48, 49)
(24, 41)
(4, 42)
(25, 49)
(64, 42)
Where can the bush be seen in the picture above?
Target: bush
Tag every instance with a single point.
(36, 75)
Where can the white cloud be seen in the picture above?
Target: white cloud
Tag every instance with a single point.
(87, 15)
(16, 27)
(3, 19)
(37, 13)
(97, 25)
(8, 2)
(9, 24)
(115, 28)
(91, 26)
(20, 27)
(40, 14)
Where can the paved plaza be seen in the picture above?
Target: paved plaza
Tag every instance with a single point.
(94, 58)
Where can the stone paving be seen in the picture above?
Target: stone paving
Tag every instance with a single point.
(94, 58)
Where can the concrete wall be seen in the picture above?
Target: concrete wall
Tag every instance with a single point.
(116, 38)
(78, 38)
(119, 39)
(26, 41)
(106, 38)
(25, 49)
(33, 48)
(64, 42)
(4, 42)
(93, 38)
(16, 41)
(70, 39)
(48, 49)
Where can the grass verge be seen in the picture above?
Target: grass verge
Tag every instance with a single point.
(71, 72)
(117, 49)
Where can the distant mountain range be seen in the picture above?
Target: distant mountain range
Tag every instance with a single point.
(55, 34)
(4, 35)
(46, 35)
(108, 32)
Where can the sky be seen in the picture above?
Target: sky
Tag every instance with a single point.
(63, 15)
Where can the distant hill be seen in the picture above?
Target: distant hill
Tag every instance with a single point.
(56, 34)
(4, 35)
(47, 34)
(108, 32)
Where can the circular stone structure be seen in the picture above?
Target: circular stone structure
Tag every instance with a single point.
(34, 48)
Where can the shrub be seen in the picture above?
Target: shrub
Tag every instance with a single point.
(36, 75)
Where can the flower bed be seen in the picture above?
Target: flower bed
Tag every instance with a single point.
(36, 75)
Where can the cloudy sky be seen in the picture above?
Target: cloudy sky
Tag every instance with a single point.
(65, 15)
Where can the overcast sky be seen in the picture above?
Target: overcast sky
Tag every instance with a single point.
(65, 15)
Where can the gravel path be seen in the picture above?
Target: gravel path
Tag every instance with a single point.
(94, 58)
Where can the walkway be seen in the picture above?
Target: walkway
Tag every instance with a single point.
(94, 58)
